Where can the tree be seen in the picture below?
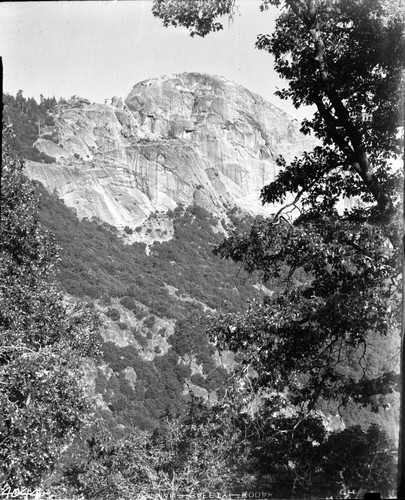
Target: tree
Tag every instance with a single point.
(196, 452)
(196, 15)
(337, 271)
(43, 339)
(358, 458)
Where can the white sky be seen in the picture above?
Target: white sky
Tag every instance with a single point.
(98, 49)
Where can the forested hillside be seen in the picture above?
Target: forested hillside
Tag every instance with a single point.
(177, 280)
(162, 306)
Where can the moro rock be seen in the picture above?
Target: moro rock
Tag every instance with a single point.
(188, 138)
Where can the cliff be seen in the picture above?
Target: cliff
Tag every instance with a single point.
(188, 138)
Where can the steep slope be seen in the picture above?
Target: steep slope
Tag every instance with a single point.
(154, 308)
(194, 140)
(188, 138)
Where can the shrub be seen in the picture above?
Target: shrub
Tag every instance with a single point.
(113, 313)
(142, 341)
(198, 379)
(150, 321)
(128, 303)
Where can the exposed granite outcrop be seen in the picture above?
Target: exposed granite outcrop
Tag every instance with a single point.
(188, 138)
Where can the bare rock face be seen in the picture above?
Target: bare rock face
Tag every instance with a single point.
(188, 138)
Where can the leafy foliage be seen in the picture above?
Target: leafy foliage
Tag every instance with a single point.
(350, 66)
(338, 271)
(334, 288)
(347, 59)
(293, 455)
(222, 448)
(42, 339)
(199, 17)
(179, 458)
(158, 390)
(366, 459)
